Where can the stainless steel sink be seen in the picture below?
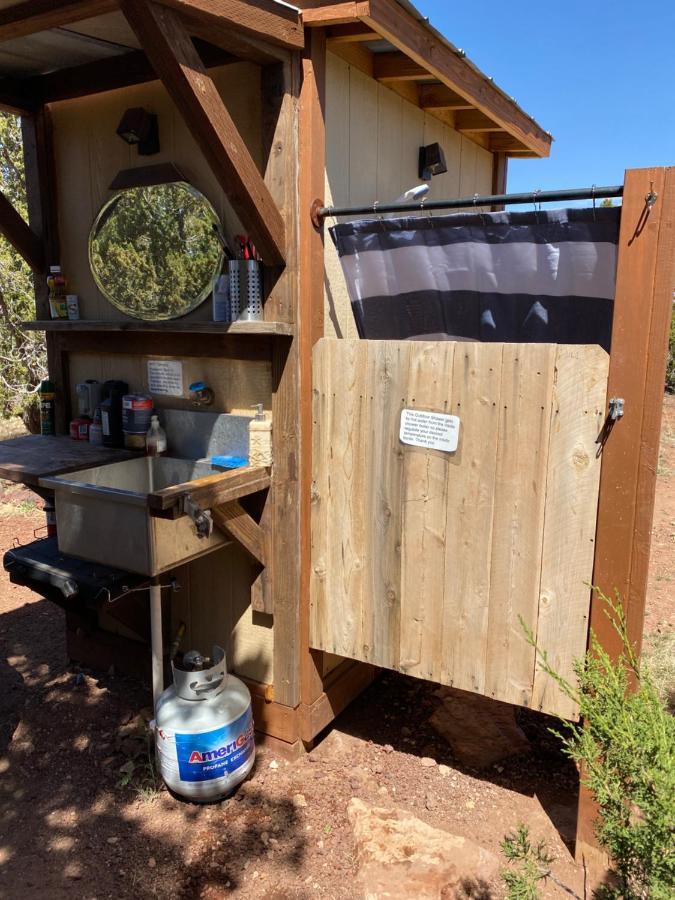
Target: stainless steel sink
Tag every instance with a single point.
(103, 515)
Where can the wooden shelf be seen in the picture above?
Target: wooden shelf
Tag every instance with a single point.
(177, 326)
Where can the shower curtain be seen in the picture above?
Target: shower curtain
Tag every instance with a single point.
(542, 276)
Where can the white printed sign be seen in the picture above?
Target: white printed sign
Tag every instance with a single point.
(165, 376)
(436, 431)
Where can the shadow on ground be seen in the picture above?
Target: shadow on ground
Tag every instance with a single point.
(67, 825)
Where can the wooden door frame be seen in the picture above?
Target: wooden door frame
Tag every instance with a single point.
(642, 311)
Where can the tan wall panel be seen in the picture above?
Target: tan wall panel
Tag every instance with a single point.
(237, 384)
(372, 141)
(88, 155)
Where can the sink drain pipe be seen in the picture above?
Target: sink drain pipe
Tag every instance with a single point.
(156, 640)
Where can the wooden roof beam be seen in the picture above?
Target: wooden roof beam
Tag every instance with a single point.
(20, 235)
(415, 40)
(174, 58)
(107, 75)
(438, 96)
(352, 33)
(32, 16)
(475, 121)
(397, 66)
(262, 19)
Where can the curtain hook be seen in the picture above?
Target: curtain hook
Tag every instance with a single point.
(534, 201)
(430, 212)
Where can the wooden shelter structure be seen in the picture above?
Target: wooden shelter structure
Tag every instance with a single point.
(272, 110)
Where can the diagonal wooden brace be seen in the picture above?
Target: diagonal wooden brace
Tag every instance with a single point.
(177, 63)
(232, 519)
(20, 235)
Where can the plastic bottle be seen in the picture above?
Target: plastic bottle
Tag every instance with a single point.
(47, 394)
(96, 429)
(155, 440)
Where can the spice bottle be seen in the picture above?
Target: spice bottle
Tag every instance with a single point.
(155, 440)
(56, 283)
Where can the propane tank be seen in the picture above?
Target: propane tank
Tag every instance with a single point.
(204, 729)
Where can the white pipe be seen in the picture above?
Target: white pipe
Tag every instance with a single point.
(156, 640)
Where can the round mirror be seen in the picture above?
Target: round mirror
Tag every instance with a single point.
(154, 251)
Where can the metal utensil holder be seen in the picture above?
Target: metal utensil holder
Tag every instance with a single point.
(246, 289)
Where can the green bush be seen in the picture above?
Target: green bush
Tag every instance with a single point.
(670, 371)
(529, 864)
(626, 746)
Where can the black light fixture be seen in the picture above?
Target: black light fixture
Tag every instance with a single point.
(138, 126)
(431, 161)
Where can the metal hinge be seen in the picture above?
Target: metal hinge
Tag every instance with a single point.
(616, 408)
(200, 517)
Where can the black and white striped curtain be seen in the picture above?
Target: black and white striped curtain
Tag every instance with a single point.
(508, 276)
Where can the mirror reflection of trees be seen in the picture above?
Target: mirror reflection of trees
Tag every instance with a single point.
(153, 250)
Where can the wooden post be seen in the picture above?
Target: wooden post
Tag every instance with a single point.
(281, 517)
(642, 311)
(312, 147)
(38, 152)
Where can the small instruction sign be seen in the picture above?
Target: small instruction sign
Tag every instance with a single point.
(165, 376)
(435, 431)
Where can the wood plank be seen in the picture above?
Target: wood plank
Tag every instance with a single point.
(439, 96)
(109, 74)
(388, 364)
(356, 55)
(182, 72)
(318, 15)
(578, 412)
(233, 519)
(274, 22)
(637, 360)
(341, 530)
(353, 33)
(281, 86)
(311, 163)
(212, 490)
(425, 486)
(470, 509)
(20, 235)
(518, 519)
(178, 326)
(474, 120)
(30, 457)
(32, 16)
(396, 24)
(396, 66)
(352, 678)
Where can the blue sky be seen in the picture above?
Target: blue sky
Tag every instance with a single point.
(599, 76)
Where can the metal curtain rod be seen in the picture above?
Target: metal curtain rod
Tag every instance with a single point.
(591, 193)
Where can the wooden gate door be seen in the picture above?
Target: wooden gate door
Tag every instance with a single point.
(430, 561)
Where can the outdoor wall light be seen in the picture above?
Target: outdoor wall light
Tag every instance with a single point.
(138, 126)
(431, 161)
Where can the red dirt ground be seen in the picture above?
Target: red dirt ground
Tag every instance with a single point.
(68, 828)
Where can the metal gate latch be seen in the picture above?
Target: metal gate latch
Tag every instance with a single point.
(616, 405)
(200, 517)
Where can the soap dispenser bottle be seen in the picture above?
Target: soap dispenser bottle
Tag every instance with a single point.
(155, 440)
(260, 438)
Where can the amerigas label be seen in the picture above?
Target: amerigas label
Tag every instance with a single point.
(210, 754)
(435, 431)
